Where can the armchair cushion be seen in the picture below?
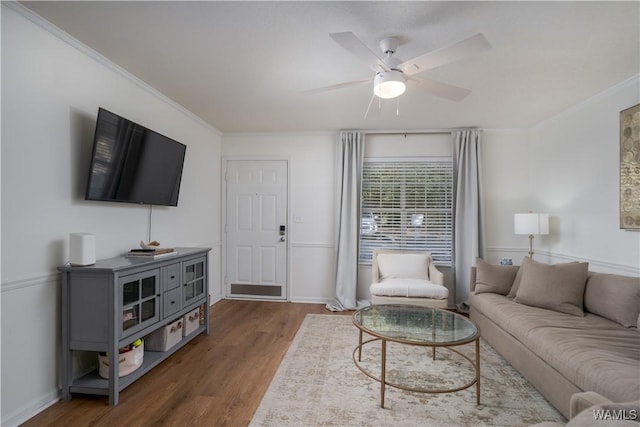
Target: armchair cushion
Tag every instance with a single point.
(406, 287)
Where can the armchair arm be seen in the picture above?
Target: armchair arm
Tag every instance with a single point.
(435, 275)
(472, 278)
(375, 272)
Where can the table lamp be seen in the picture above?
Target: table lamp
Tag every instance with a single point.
(531, 223)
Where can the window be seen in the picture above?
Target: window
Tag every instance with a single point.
(408, 205)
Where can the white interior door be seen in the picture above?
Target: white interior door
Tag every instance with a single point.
(256, 228)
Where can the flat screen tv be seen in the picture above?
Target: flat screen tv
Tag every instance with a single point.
(133, 164)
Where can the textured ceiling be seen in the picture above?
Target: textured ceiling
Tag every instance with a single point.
(243, 66)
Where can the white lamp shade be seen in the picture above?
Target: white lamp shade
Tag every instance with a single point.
(531, 223)
(389, 84)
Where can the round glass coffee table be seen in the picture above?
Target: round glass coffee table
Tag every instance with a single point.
(417, 326)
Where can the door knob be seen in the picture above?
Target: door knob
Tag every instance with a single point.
(282, 239)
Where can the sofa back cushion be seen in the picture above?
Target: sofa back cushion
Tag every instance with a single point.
(613, 297)
(404, 265)
(558, 287)
(495, 279)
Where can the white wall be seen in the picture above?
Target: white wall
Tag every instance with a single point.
(575, 177)
(51, 92)
(567, 166)
(505, 177)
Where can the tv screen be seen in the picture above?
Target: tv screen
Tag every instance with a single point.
(133, 164)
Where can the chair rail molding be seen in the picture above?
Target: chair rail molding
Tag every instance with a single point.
(53, 279)
(551, 257)
(321, 245)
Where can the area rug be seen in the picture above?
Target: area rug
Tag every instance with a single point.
(318, 384)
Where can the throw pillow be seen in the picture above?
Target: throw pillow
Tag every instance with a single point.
(516, 285)
(495, 279)
(613, 297)
(558, 287)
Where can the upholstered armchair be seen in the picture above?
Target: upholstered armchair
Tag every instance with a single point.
(406, 277)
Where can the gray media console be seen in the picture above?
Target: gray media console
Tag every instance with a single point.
(112, 303)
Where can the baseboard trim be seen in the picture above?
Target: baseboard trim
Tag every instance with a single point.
(30, 410)
(312, 300)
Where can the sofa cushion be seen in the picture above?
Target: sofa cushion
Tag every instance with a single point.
(604, 358)
(495, 279)
(403, 266)
(558, 287)
(614, 297)
(409, 288)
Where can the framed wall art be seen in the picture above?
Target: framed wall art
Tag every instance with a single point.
(630, 168)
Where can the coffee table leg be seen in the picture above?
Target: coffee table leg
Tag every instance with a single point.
(478, 370)
(383, 374)
(360, 347)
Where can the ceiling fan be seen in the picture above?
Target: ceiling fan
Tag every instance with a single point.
(391, 74)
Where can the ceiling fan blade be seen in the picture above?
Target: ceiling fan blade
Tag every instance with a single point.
(338, 86)
(442, 90)
(465, 48)
(354, 45)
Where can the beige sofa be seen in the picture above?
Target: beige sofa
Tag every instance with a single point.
(563, 328)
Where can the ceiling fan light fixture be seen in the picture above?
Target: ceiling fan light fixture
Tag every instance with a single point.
(389, 84)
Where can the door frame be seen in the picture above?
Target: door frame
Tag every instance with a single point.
(223, 224)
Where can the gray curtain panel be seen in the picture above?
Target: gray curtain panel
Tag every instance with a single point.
(468, 219)
(350, 162)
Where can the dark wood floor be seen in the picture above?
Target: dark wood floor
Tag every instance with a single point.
(215, 380)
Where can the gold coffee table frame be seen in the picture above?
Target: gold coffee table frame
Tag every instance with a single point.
(418, 326)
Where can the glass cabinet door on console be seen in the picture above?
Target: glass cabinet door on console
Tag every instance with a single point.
(139, 301)
(193, 276)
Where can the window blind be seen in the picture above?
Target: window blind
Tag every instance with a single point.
(407, 205)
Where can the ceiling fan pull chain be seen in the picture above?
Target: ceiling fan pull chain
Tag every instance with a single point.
(397, 106)
(370, 102)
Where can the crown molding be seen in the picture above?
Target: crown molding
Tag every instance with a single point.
(104, 61)
(626, 84)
